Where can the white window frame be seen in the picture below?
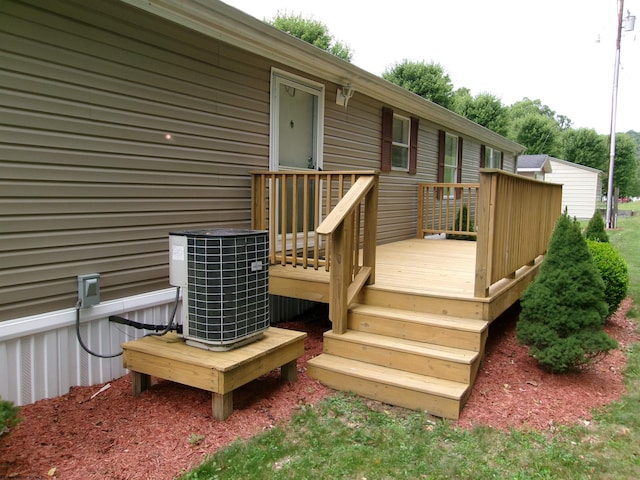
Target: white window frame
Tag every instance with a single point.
(404, 145)
(451, 167)
(492, 158)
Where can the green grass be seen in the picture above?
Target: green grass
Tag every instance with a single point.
(343, 438)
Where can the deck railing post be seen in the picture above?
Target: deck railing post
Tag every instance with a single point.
(485, 234)
(340, 274)
(370, 232)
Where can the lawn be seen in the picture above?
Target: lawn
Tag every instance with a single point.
(343, 437)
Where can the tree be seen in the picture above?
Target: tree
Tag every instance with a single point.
(564, 309)
(595, 229)
(311, 31)
(584, 146)
(625, 175)
(526, 107)
(485, 109)
(539, 134)
(430, 80)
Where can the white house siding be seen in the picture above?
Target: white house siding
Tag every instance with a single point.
(42, 358)
(580, 187)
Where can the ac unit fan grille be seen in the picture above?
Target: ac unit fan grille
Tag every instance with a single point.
(228, 289)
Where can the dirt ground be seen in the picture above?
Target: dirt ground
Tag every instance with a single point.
(168, 429)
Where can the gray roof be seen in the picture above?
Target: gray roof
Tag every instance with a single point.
(534, 162)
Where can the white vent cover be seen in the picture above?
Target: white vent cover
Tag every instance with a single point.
(224, 274)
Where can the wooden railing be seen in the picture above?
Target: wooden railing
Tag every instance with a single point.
(511, 217)
(516, 217)
(447, 208)
(321, 219)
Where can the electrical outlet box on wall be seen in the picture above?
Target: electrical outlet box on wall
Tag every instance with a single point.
(89, 289)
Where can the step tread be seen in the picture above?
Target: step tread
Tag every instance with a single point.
(452, 354)
(390, 376)
(456, 323)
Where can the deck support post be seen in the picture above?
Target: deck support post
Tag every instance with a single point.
(139, 383)
(289, 371)
(221, 405)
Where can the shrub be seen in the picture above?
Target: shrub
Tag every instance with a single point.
(613, 270)
(563, 309)
(461, 223)
(8, 416)
(595, 229)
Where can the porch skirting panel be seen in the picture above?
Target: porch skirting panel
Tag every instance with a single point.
(42, 358)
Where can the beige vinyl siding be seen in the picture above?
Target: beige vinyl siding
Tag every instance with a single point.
(470, 161)
(88, 180)
(509, 163)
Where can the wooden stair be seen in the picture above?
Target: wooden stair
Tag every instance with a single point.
(418, 360)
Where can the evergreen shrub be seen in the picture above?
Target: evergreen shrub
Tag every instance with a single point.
(8, 416)
(595, 229)
(563, 310)
(462, 224)
(613, 270)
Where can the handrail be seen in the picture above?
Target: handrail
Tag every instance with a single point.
(321, 219)
(516, 217)
(347, 276)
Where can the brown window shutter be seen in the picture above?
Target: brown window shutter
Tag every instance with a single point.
(483, 156)
(459, 179)
(413, 147)
(501, 160)
(387, 139)
(441, 148)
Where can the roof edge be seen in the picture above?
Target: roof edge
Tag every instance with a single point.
(223, 22)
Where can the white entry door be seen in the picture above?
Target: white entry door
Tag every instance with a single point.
(297, 111)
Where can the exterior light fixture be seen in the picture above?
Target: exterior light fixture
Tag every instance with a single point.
(344, 94)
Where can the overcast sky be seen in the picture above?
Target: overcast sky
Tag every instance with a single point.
(559, 51)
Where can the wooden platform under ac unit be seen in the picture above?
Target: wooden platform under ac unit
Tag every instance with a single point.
(416, 337)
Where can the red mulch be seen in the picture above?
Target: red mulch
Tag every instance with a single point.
(169, 429)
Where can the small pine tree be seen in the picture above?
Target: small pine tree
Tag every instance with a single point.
(595, 229)
(563, 310)
(8, 416)
(462, 217)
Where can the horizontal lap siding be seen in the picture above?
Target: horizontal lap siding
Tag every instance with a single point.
(89, 180)
(470, 161)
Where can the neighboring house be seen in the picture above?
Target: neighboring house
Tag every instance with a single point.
(124, 120)
(581, 185)
(534, 166)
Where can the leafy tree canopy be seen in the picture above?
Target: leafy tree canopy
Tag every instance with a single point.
(625, 175)
(540, 134)
(429, 80)
(585, 146)
(311, 31)
(485, 109)
(527, 107)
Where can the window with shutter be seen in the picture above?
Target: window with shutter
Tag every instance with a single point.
(449, 159)
(399, 142)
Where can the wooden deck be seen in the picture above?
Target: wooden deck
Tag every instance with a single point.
(436, 275)
(416, 337)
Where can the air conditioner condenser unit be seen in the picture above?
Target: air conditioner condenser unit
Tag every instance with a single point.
(224, 277)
